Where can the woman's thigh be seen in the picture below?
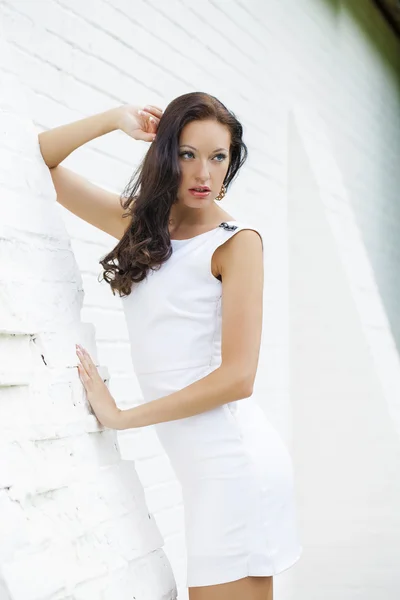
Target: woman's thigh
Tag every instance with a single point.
(248, 588)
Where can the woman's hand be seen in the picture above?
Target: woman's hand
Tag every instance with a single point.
(139, 122)
(97, 393)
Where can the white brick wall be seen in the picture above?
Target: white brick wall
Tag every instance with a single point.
(315, 84)
(74, 522)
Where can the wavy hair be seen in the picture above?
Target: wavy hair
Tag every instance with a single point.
(153, 189)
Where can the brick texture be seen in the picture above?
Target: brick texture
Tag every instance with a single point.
(88, 514)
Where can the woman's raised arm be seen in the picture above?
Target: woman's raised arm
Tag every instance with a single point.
(93, 204)
(58, 143)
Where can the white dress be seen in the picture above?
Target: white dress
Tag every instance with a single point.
(235, 470)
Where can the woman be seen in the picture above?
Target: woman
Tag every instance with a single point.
(191, 281)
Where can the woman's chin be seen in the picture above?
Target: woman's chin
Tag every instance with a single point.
(197, 203)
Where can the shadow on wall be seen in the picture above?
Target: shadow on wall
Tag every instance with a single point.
(72, 513)
(373, 20)
(344, 383)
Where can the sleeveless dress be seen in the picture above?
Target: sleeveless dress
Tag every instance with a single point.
(235, 471)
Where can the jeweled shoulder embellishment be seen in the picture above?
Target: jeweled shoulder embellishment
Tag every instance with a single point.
(228, 227)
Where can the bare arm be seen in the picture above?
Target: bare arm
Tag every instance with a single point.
(58, 143)
(221, 386)
(93, 204)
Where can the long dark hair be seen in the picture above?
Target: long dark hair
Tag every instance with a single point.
(153, 188)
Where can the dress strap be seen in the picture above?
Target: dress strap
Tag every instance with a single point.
(231, 228)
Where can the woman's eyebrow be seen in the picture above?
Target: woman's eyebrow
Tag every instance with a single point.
(193, 148)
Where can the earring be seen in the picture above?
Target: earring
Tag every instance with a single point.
(221, 194)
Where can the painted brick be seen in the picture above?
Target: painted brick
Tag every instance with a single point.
(315, 85)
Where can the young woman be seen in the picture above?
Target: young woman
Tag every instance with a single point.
(191, 281)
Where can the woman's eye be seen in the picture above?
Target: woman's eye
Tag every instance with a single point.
(188, 152)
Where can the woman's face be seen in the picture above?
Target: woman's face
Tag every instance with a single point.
(204, 160)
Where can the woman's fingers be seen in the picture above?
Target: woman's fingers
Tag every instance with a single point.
(149, 116)
(151, 123)
(84, 361)
(145, 134)
(145, 137)
(154, 109)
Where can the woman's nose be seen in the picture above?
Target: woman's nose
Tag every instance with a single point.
(203, 171)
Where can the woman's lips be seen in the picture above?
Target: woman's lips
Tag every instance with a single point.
(200, 194)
